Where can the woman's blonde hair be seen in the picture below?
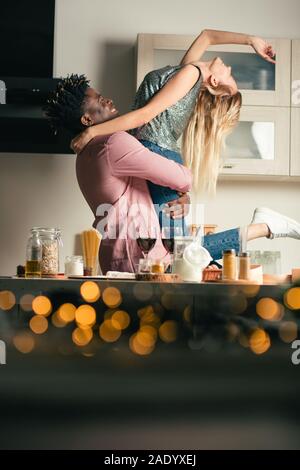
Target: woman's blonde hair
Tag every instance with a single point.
(215, 115)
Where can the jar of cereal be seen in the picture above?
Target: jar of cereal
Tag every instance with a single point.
(51, 241)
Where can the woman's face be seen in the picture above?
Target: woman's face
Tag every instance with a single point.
(222, 73)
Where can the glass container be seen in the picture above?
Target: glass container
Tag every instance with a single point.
(33, 264)
(51, 241)
(74, 266)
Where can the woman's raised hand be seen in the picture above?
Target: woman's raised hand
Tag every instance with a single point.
(81, 140)
(263, 48)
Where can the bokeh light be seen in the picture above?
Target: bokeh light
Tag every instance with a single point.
(168, 300)
(108, 332)
(148, 317)
(7, 300)
(233, 331)
(90, 291)
(145, 338)
(112, 297)
(142, 291)
(85, 316)
(120, 320)
(148, 309)
(243, 340)
(26, 302)
(259, 341)
(41, 305)
(238, 304)
(138, 348)
(269, 309)
(292, 298)
(57, 321)
(150, 330)
(109, 313)
(288, 331)
(187, 314)
(250, 290)
(82, 337)
(38, 324)
(168, 331)
(66, 312)
(24, 342)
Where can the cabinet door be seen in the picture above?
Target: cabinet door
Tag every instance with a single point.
(295, 141)
(260, 143)
(260, 82)
(295, 95)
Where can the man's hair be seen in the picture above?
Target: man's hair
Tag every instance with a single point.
(64, 107)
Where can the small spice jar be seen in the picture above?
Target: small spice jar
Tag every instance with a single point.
(244, 266)
(157, 267)
(74, 266)
(229, 272)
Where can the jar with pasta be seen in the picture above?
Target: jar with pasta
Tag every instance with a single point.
(51, 241)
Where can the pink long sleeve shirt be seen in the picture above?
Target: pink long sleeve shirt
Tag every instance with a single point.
(112, 172)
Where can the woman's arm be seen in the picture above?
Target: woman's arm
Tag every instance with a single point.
(175, 89)
(211, 37)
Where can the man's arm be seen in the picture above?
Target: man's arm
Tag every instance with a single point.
(128, 157)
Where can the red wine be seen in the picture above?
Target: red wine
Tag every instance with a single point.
(168, 244)
(146, 244)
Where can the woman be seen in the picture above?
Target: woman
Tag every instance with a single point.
(197, 99)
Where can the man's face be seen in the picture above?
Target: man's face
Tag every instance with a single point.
(97, 108)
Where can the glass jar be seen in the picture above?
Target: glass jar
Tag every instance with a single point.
(229, 272)
(244, 266)
(157, 267)
(51, 241)
(33, 256)
(74, 266)
(271, 262)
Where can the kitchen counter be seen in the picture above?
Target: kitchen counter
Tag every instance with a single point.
(200, 387)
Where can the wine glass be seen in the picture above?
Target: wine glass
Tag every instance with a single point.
(146, 241)
(168, 235)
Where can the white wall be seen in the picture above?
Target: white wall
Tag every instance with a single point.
(97, 37)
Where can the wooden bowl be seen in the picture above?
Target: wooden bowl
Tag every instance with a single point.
(157, 277)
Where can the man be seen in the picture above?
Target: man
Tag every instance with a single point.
(112, 172)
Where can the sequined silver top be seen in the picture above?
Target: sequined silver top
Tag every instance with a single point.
(166, 128)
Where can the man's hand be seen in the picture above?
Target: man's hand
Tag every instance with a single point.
(178, 208)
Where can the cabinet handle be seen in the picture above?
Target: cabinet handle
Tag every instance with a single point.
(227, 166)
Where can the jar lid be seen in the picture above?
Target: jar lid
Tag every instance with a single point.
(229, 252)
(74, 258)
(49, 231)
(46, 229)
(244, 254)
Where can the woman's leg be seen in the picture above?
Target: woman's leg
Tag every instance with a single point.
(216, 243)
(257, 231)
(161, 195)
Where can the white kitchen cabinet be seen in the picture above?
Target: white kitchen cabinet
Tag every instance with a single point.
(295, 141)
(261, 83)
(295, 95)
(295, 109)
(260, 144)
